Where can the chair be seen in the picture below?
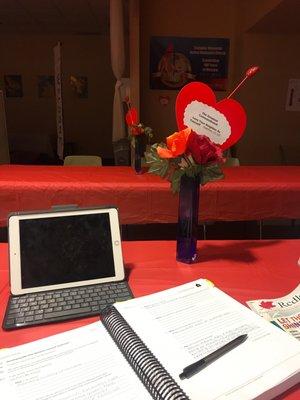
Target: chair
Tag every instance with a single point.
(290, 155)
(232, 162)
(83, 160)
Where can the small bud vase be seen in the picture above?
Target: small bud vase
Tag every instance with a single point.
(187, 228)
(137, 154)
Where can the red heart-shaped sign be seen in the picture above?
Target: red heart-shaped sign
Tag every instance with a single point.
(223, 122)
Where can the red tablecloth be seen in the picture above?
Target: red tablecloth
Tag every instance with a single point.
(243, 269)
(246, 193)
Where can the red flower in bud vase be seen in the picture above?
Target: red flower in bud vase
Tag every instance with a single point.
(132, 117)
(132, 122)
(185, 153)
(136, 128)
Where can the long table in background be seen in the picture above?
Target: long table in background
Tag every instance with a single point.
(243, 269)
(246, 192)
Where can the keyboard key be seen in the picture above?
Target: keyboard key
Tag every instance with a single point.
(13, 312)
(64, 313)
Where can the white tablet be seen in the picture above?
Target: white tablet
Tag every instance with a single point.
(64, 249)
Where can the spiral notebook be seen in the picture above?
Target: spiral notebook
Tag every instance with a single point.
(141, 346)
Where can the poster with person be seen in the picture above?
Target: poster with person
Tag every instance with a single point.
(176, 61)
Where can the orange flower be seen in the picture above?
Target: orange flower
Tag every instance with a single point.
(176, 144)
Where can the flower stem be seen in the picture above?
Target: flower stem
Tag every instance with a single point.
(188, 161)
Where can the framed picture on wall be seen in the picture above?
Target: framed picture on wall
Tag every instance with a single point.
(176, 61)
(13, 85)
(80, 86)
(46, 86)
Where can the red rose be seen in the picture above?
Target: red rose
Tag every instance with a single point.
(203, 150)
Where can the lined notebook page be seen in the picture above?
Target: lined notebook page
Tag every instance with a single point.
(80, 364)
(184, 324)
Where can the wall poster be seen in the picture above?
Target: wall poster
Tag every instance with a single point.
(176, 61)
(13, 85)
(46, 86)
(80, 86)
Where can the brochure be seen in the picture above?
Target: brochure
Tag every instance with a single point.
(282, 311)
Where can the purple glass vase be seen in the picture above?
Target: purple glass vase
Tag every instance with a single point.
(188, 207)
(138, 149)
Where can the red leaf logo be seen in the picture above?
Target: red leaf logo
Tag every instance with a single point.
(267, 304)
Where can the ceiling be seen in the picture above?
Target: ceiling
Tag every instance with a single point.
(54, 16)
(282, 19)
(92, 17)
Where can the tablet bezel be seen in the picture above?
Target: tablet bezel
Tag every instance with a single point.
(14, 248)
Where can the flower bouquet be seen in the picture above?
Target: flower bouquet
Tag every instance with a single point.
(187, 160)
(193, 156)
(186, 153)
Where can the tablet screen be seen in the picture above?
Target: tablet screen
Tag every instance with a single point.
(65, 249)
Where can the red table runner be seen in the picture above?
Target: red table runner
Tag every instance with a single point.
(243, 269)
(246, 193)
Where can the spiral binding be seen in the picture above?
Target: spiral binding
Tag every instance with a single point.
(156, 379)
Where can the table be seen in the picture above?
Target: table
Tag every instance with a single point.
(246, 192)
(243, 269)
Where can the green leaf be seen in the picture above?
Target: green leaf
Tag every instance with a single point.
(211, 172)
(175, 182)
(173, 169)
(158, 166)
